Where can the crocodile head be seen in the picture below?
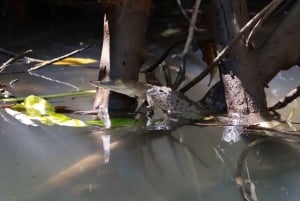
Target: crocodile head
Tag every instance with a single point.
(127, 87)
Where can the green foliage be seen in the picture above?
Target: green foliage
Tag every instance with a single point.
(115, 122)
(39, 109)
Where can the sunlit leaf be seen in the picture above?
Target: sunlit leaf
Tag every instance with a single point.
(169, 32)
(71, 61)
(36, 106)
(19, 106)
(39, 109)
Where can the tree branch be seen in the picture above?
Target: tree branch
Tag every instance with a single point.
(281, 51)
(292, 95)
(229, 47)
(14, 59)
(49, 62)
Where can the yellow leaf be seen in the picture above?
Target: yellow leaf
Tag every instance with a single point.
(169, 32)
(75, 61)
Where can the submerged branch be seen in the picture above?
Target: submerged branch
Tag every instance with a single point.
(239, 180)
(245, 190)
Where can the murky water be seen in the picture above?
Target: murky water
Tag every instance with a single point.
(189, 164)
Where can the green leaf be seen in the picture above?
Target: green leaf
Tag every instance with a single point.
(36, 106)
(115, 122)
(39, 109)
(18, 106)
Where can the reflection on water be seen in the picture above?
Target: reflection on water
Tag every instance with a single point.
(191, 163)
(188, 164)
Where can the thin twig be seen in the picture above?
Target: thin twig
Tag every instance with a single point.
(12, 54)
(152, 67)
(292, 95)
(182, 10)
(181, 73)
(49, 62)
(14, 59)
(229, 47)
(264, 17)
(191, 28)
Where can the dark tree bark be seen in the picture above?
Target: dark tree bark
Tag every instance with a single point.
(127, 20)
(246, 71)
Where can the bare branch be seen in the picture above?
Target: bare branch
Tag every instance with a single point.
(181, 73)
(191, 28)
(182, 10)
(265, 16)
(49, 62)
(12, 54)
(229, 47)
(281, 50)
(14, 59)
(292, 95)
